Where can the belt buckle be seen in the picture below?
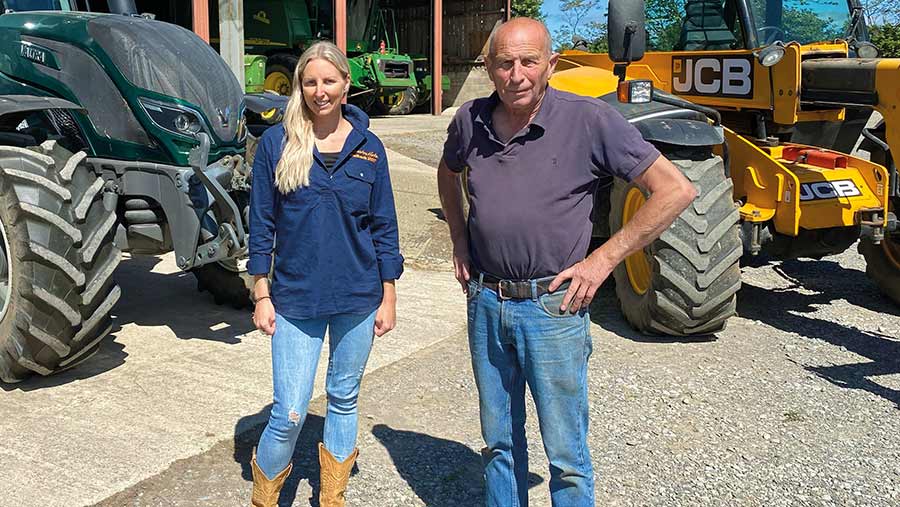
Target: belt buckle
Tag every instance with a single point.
(500, 285)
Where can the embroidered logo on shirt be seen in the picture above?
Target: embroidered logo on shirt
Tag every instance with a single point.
(368, 156)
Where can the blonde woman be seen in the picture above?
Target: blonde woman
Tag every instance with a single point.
(322, 217)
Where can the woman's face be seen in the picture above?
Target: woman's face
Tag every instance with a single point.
(323, 87)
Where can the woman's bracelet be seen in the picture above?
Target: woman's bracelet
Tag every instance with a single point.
(257, 300)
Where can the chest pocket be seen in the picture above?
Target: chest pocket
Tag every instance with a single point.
(360, 179)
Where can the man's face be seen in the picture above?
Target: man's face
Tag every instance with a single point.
(520, 67)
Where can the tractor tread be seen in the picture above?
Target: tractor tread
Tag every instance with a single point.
(63, 259)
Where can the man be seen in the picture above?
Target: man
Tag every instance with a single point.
(534, 155)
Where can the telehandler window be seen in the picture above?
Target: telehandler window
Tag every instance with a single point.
(694, 25)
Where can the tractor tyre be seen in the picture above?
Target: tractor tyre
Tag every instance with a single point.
(57, 287)
(280, 73)
(685, 282)
(405, 103)
(227, 280)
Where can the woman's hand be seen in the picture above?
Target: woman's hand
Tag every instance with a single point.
(264, 316)
(386, 316)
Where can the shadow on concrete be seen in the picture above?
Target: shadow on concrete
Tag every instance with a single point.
(789, 309)
(172, 300)
(441, 472)
(305, 458)
(152, 299)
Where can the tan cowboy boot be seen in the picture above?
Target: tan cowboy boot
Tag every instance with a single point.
(265, 491)
(334, 477)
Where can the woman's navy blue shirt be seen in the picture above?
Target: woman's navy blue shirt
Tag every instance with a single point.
(335, 241)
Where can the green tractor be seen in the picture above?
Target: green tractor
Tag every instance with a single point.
(118, 133)
(383, 80)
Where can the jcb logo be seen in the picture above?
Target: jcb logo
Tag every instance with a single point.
(713, 75)
(828, 190)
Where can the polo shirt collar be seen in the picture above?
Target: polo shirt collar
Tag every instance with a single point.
(541, 119)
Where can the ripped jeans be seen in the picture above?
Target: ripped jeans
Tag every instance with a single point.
(296, 346)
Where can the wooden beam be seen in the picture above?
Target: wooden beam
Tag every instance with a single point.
(231, 36)
(437, 55)
(200, 18)
(340, 24)
(508, 10)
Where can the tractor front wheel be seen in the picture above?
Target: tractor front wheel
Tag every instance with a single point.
(56, 288)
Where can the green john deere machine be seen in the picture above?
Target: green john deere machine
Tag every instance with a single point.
(383, 79)
(118, 133)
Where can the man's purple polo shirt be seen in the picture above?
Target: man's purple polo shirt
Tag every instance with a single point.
(531, 199)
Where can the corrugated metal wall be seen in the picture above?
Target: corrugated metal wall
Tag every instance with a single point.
(467, 25)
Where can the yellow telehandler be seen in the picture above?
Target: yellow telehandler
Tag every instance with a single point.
(748, 100)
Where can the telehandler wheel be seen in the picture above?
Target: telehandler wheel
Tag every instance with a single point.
(685, 282)
(280, 73)
(883, 265)
(59, 258)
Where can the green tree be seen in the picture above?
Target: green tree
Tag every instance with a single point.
(527, 9)
(664, 19)
(577, 24)
(887, 38)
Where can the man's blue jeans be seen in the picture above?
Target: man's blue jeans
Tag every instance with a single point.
(296, 346)
(517, 341)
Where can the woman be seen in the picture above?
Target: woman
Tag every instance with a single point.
(322, 202)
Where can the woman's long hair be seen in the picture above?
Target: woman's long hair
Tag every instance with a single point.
(293, 168)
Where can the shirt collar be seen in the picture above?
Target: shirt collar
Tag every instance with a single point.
(541, 119)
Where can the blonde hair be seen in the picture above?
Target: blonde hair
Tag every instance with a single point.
(292, 171)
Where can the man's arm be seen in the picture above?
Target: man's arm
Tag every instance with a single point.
(670, 194)
(450, 192)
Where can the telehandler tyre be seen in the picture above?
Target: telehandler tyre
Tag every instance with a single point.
(58, 259)
(685, 282)
(882, 260)
(883, 265)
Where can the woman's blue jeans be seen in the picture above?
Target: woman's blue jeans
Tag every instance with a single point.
(514, 342)
(296, 346)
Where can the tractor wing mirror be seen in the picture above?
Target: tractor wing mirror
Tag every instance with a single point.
(626, 33)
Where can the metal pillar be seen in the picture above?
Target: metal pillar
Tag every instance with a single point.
(437, 44)
(200, 15)
(340, 24)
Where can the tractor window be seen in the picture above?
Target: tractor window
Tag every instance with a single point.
(33, 5)
(693, 25)
(803, 21)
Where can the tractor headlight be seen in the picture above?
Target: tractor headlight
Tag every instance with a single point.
(179, 120)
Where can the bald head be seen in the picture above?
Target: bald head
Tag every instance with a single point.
(520, 62)
(521, 28)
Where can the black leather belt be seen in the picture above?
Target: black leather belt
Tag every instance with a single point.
(515, 289)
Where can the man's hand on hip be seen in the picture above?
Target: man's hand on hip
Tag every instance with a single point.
(461, 266)
(586, 277)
